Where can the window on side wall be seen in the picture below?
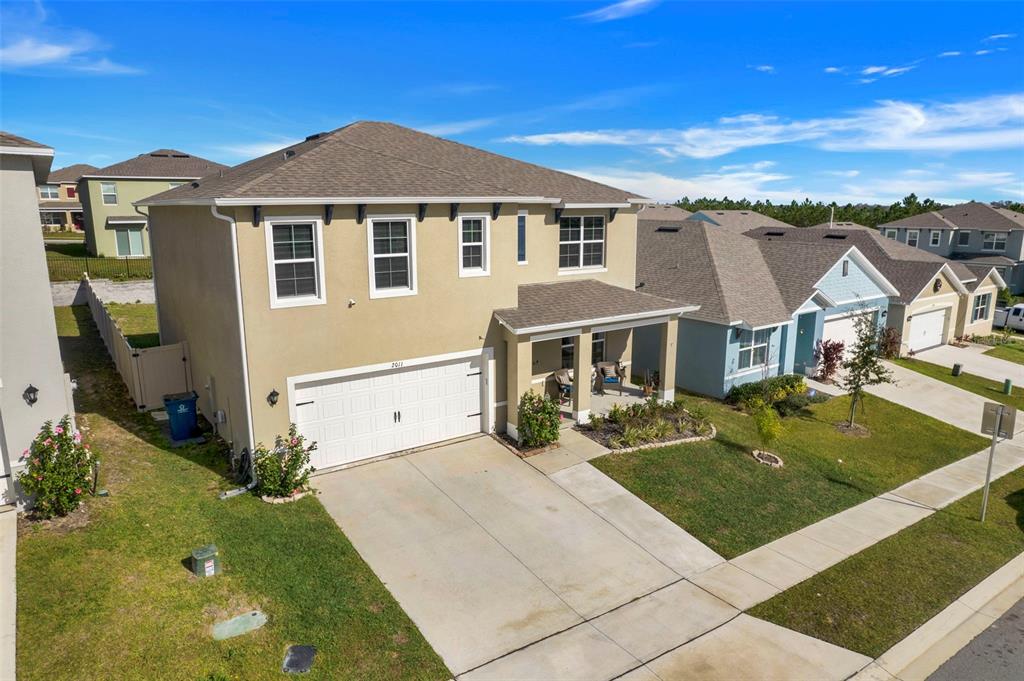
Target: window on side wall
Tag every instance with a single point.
(754, 348)
(392, 257)
(474, 246)
(296, 264)
(49, 191)
(596, 350)
(891, 233)
(581, 242)
(963, 237)
(936, 237)
(993, 241)
(72, 192)
(912, 235)
(521, 237)
(108, 190)
(129, 242)
(981, 307)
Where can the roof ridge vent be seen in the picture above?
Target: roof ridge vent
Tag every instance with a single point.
(315, 136)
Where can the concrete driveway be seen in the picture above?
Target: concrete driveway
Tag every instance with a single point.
(974, 361)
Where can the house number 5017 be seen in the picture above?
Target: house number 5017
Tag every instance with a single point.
(397, 365)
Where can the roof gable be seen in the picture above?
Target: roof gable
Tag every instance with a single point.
(70, 173)
(162, 164)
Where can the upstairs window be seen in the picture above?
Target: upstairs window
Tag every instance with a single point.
(49, 191)
(754, 348)
(72, 192)
(912, 235)
(474, 246)
(521, 237)
(109, 192)
(891, 233)
(392, 257)
(581, 242)
(993, 241)
(963, 237)
(936, 237)
(296, 263)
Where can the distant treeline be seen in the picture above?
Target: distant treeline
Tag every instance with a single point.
(809, 213)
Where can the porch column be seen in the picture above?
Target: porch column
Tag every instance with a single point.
(581, 381)
(519, 373)
(667, 361)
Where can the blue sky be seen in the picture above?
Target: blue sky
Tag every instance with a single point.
(846, 102)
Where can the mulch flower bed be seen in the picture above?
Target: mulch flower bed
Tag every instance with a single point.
(647, 424)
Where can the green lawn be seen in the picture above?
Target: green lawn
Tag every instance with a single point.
(1011, 352)
(877, 597)
(718, 493)
(137, 322)
(68, 262)
(969, 382)
(112, 600)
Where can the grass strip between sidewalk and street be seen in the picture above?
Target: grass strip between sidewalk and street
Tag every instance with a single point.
(876, 598)
(1011, 352)
(987, 388)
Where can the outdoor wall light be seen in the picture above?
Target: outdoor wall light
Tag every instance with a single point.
(31, 395)
(272, 397)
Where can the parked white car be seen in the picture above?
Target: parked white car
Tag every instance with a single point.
(1010, 316)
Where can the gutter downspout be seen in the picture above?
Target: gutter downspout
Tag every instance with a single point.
(242, 346)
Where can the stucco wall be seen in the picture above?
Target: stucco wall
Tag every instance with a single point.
(29, 353)
(982, 327)
(900, 317)
(100, 240)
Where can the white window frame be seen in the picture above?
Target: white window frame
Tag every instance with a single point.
(596, 338)
(935, 238)
(572, 269)
(986, 300)
(320, 298)
(485, 266)
(916, 237)
(413, 269)
(749, 350)
(998, 239)
(522, 215)
(960, 241)
(104, 193)
(46, 189)
(52, 217)
(892, 234)
(117, 247)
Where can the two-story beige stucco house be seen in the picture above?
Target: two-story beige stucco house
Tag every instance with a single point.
(33, 386)
(385, 289)
(59, 207)
(113, 228)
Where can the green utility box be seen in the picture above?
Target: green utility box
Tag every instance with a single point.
(1007, 387)
(206, 561)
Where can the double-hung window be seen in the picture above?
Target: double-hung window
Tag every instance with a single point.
(596, 349)
(754, 348)
(296, 263)
(963, 237)
(912, 235)
(393, 256)
(581, 242)
(993, 241)
(936, 237)
(108, 190)
(474, 246)
(981, 307)
(891, 233)
(521, 237)
(49, 191)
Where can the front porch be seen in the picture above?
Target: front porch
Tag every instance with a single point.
(573, 341)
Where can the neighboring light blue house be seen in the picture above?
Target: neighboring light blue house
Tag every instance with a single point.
(764, 305)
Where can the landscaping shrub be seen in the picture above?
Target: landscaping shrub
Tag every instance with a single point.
(767, 421)
(283, 470)
(701, 417)
(889, 342)
(770, 390)
(796, 403)
(538, 420)
(647, 422)
(829, 357)
(59, 469)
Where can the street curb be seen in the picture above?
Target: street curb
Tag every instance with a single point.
(930, 645)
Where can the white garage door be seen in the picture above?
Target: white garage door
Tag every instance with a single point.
(843, 329)
(926, 330)
(359, 417)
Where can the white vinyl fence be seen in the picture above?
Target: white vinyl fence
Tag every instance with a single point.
(149, 373)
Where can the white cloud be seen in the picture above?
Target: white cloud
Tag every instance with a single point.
(104, 66)
(884, 71)
(619, 10)
(32, 52)
(841, 173)
(999, 36)
(763, 68)
(249, 150)
(28, 43)
(981, 53)
(756, 166)
(458, 127)
(869, 70)
(750, 184)
(833, 69)
(970, 125)
(951, 53)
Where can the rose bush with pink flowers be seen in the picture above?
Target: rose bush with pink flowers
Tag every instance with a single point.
(59, 469)
(283, 470)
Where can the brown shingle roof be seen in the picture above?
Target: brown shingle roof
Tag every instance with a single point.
(739, 220)
(841, 225)
(663, 211)
(576, 302)
(163, 163)
(8, 139)
(383, 160)
(970, 215)
(50, 206)
(70, 173)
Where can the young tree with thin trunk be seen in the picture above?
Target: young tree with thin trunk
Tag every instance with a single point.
(863, 364)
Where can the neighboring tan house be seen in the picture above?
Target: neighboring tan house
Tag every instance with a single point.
(113, 228)
(385, 289)
(59, 207)
(33, 386)
(973, 232)
(939, 299)
(738, 221)
(763, 306)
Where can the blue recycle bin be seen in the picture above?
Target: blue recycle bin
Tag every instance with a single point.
(181, 412)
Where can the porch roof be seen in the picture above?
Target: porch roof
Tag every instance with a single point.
(549, 307)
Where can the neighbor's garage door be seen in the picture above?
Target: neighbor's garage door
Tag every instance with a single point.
(927, 329)
(843, 329)
(359, 417)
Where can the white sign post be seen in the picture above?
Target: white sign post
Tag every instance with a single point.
(997, 419)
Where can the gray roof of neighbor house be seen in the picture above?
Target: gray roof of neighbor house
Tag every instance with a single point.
(382, 161)
(9, 139)
(841, 225)
(70, 173)
(165, 164)
(40, 154)
(568, 303)
(663, 212)
(723, 272)
(738, 220)
(970, 215)
(983, 259)
(907, 268)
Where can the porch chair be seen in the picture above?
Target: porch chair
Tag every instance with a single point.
(610, 373)
(564, 382)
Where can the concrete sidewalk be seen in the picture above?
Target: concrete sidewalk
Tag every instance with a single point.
(934, 398)
(975, 361)
(8, 589)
